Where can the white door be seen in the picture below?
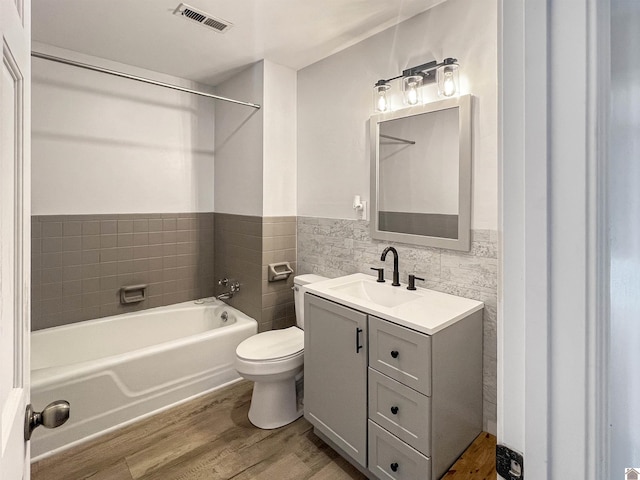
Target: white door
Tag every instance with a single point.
(15, 232)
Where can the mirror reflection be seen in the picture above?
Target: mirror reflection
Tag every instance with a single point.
(421, 174)
(418, 174)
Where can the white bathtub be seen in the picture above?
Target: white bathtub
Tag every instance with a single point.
(118, 369)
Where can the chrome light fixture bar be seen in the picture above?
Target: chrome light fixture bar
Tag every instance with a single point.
(445, 73)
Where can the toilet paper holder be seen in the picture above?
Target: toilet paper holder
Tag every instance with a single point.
(279, 271)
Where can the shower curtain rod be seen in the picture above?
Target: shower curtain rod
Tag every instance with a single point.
(73, 63)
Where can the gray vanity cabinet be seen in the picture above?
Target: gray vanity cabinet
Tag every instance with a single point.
(402, 403)
(335, 375)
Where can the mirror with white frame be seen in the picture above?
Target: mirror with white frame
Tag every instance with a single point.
(421, 174)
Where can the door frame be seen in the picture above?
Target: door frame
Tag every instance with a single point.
(553, 300)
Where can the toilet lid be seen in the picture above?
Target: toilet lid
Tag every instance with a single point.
(272, 345)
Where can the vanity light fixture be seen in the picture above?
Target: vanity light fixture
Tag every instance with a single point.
(445, 73)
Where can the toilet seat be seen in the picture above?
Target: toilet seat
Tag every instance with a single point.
(272, 346)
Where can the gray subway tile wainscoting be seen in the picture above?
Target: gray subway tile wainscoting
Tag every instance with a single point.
(80, 262)
(278, 245)
(335, 247)
(244, 247)
(238, 256)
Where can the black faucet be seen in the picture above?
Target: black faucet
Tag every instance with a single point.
(412, 282)
(396, 274)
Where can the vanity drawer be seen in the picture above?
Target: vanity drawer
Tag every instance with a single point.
(400, 353)
(401, 410)
(391, 458)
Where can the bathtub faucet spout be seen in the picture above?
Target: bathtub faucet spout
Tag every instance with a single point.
(234, 286)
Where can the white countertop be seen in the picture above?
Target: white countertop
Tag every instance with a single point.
(428, 313)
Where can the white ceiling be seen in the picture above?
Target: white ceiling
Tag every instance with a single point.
(144, 33)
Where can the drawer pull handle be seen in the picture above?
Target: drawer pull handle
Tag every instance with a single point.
(394, 353)
(394, 410)
(394, 466)
(358, 346)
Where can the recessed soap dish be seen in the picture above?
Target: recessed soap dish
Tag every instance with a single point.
(279, 271)
(133, 294)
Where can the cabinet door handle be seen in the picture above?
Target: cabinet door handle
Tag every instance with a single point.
(394, 466)
(358, 346)
(394, 410)
(394, 353)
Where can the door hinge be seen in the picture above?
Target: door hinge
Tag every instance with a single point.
(509, 463)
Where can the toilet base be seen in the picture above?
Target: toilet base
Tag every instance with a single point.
(274, 404)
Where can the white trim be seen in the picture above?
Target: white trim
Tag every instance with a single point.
(523, 313)
(536, 239)
(510, 376)
(598, 319)
(553, 236)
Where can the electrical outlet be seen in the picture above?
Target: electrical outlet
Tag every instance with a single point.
(509, 463)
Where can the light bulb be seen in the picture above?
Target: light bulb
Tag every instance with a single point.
(380, 100)
(449, 84)
(410, 87)
(412, 94)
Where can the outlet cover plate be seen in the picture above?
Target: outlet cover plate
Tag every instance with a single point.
(509, 463)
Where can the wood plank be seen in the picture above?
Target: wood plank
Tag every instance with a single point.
(478, 462)
(337, 470)
(288, 467)
(101, 471)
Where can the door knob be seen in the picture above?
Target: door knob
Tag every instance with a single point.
(394, 353)
(394, 410)
(53, 415)
(394, 466)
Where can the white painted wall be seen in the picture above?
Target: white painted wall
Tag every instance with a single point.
(103, 144)
(255, 154)
(239, 144)
(335, 102)
(280, 143)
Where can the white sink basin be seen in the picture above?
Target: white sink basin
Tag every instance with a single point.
(424, 310)
(382, 294)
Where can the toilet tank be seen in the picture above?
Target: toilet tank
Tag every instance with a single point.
(298, 292)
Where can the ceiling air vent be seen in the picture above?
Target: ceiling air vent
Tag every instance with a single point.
(216, 24)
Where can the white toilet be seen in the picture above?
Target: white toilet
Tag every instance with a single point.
(273, 360)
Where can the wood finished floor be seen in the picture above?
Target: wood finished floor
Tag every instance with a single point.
(210, 438)
(478, 462)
